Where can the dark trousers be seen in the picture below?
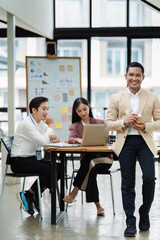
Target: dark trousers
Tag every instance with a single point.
(31, 165)
(92, 194)
(136, 148)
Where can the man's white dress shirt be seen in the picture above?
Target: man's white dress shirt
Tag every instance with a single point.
(134, 106)
(28, 135)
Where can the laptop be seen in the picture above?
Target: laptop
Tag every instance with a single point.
(94, 135)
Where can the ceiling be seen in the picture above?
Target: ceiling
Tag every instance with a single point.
(153, 3)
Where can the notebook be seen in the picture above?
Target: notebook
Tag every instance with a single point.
(94, 135)
(62, 144)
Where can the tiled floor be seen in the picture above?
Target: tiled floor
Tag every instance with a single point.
(81, 221)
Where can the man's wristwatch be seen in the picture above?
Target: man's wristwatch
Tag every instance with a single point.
(144, 130)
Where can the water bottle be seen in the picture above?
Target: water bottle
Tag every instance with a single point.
(39, 153)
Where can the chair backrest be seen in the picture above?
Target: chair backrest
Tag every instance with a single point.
(7, 142)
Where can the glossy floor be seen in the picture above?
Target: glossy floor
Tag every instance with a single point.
(80, 222)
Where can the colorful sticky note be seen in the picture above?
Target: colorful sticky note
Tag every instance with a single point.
(65, 97)
(58, 125)
(71, 92)
(70, 109)
(63, 110)
(57, 97)
(61, 68)
(70, 117)
(64, 118)
(69, 68)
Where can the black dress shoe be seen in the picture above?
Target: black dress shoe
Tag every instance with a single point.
(130, 230)
(144, 223)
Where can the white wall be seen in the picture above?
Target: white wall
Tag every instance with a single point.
(33, 15)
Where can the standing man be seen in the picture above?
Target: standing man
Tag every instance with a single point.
(35, 131)
(134, 141)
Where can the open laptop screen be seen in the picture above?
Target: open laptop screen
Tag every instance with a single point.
(94, 135)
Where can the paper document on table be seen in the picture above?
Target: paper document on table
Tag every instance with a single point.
(63, 144)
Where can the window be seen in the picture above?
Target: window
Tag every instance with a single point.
(114, 61)
(109, 13)
(142, 15)
(100, 97)
(68, 52)
(108, 55)
(23, 47)
(3, 98)
(72, 13)
(136, 55)
(147, 52)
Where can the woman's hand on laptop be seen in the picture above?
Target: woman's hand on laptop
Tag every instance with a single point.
(54, 138)
(78, 140)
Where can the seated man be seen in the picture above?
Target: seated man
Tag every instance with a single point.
(35, 131)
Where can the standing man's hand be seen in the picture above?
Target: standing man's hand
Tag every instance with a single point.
(130, 119)
(49, 121)
(139, 126)
(133, 119)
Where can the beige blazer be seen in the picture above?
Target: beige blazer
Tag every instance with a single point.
(119, 108)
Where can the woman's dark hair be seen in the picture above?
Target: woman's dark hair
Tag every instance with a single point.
(36, 102)
(135, 64)
(77, 102)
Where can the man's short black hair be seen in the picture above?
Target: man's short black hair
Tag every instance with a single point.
(36, 102)
(135, 64)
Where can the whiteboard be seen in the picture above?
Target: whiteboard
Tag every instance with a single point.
(58, 79)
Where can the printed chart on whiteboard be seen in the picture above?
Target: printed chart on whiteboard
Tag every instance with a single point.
(58, 79)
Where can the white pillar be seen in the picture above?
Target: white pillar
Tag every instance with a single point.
(11, 73)
(11, 86)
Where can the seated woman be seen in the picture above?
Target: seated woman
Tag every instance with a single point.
(86, 177)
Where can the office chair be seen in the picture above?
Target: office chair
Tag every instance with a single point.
(99, 171)
(7, 142)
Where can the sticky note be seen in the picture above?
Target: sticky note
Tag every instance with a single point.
(70, 117)
(71, 92)
(65, 97)
(61, 68)
(64, 118)
(69, 68)
(63, 110)
(57, 97)
(70, 109)
(58, 125)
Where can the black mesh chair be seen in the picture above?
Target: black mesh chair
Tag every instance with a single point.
(7, 142)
